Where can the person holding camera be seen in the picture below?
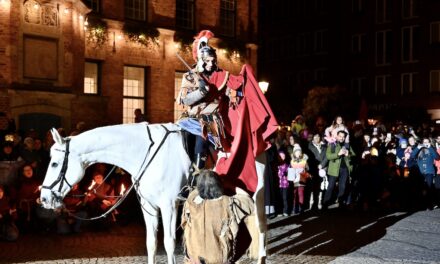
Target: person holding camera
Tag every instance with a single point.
(339, 155)
(425, 155)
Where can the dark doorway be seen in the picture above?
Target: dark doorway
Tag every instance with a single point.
(40, 122)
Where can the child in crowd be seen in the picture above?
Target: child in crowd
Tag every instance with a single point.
(299, 166)
(284, 183)
(332, 131)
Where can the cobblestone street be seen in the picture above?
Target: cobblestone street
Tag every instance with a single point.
(310, 238)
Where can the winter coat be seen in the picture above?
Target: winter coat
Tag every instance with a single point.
(425, 158)
(334, 161)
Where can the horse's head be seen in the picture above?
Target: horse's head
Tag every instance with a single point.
(65, 169)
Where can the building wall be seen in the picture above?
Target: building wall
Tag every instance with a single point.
(42, 65)
(283, 21)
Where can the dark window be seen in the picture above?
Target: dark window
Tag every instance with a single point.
(185, 14)
(227, 17)
(93, 4)
(384, 47)
(136, 9)
(410, 43)
(358, 6)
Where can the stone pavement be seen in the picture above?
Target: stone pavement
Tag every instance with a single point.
(415, 239)
(322, 237)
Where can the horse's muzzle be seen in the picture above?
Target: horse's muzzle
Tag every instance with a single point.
(51, 200)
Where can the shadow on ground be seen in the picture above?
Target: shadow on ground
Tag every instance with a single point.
(330, 233)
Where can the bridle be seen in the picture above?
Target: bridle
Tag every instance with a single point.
(62, 176)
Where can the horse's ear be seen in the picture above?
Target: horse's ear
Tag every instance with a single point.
(56, 136)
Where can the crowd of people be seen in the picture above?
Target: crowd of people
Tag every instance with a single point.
(23, 164)
(355, 166)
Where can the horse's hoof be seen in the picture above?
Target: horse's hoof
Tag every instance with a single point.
(262, 260)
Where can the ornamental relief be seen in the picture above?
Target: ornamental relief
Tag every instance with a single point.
(36, 13)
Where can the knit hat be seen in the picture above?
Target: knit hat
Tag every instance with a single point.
(403, 141)
(296, 147)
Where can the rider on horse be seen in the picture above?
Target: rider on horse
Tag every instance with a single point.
(218, 112)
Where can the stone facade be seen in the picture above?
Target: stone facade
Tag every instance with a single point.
(44, 46)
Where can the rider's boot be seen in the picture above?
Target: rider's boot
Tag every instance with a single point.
(199, 163)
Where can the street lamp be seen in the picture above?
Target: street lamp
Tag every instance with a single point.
(264, 86)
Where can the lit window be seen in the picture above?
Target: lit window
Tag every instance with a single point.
(434, 81)
(133, 92)
(178, 109)
(227, 17)
(91, 78)
(135, 9)
(185, 14)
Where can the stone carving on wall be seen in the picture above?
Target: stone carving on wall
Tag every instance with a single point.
(40, 14)
(32, 12)
(40, 58)
(50, 16)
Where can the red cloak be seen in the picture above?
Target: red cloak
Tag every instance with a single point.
(249, 125)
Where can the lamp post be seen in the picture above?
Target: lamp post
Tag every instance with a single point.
(264, 86)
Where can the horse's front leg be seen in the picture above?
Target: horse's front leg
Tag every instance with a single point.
(151, 218)
(169, 213)
(261, 222)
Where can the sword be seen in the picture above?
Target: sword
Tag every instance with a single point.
(191, 72)
(183, 61)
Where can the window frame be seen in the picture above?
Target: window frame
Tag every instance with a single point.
(233, 12)
(384, 16)
(431, 30)
(437, 90)
(135, 17)
(384, 45)
(131, 97)
(412, 85)
(412, 45)
(98, 76)
(191, 9)
(385, 87)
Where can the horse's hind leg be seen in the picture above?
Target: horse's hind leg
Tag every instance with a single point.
(169, 213)
(151, 218)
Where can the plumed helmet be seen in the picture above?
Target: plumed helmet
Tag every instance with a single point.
(201, 48)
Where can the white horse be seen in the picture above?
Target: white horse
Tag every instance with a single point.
(155, 157)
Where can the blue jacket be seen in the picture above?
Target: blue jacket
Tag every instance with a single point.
(425, 159)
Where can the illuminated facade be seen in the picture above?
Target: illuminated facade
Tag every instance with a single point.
(66, 61)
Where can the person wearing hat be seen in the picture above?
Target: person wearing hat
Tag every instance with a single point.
(300, 166)
(339, 155)
(298, 125)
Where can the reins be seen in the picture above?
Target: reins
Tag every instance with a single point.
(136, 183)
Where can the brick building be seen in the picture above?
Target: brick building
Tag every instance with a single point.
(385, 52)
(95, 61)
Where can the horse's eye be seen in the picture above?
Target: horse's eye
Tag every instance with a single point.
(54, 165)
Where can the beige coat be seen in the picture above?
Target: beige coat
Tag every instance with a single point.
(197, 101)
(211, 226)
